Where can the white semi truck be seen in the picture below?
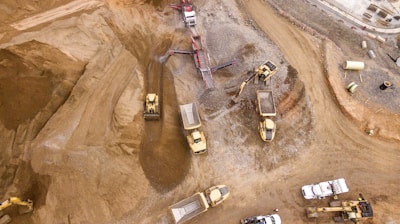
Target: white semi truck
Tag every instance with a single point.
(267, 111)
(198, 203)
(325, 189)
(191, 124)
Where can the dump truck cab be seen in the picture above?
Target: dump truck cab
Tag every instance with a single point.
(266, 129)
(216, 195)
(197, 142)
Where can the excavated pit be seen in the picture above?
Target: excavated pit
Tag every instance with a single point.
(165, 137)
(35, 80)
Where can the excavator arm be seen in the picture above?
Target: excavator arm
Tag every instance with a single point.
(244, 83)
(17, 201)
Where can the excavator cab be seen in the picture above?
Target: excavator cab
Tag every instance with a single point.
(266, 70)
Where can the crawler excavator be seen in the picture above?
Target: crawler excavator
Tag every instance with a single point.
(353, 211)
(27, 206)
(263, 73)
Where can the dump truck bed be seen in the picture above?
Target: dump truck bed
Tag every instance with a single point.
(266, 103)
(190, 116)
(189, 208)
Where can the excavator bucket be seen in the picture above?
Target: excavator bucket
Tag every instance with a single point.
(312, 212)
(28, 207)
(24, 210)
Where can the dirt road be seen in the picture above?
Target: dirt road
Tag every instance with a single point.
(56, 13)
(97, 151)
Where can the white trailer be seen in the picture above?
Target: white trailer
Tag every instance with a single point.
(191, 123)
(325, 189)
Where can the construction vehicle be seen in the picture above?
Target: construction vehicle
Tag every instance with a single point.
(325, 189)
(26, 207)
(27, 204)
(151, 107)
(266, 71)
(262, 219)
(198, 203)
(267, 111)
(353, 211)
(191, 124)
(199, 52)
(263, 73)
(188, 13)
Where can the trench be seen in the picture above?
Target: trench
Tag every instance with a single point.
(164, 156)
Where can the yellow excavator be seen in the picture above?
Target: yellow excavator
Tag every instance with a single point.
(27, 204)
(353, 211)
(26, 207)
(263, 73)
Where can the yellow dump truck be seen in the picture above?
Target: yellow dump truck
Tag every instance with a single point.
(198, 203)
(191, 124)
(267, 112)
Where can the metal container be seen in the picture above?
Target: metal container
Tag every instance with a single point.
(380, 39)
(371, 54)
(370, 35)
(385, 85)
(364, 44)
(352, 87)
(353, 65)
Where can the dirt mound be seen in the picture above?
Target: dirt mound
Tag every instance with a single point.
(12, 10)
(34, 77)
(35, 81)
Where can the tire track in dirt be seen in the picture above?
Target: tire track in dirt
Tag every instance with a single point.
(163, 155)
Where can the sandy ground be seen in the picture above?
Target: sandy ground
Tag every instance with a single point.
(75, 142)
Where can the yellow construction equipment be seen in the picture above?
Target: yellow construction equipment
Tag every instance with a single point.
(27, 204)
(263, 73)
(266, 71)
(354, 211)
(151, 107)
